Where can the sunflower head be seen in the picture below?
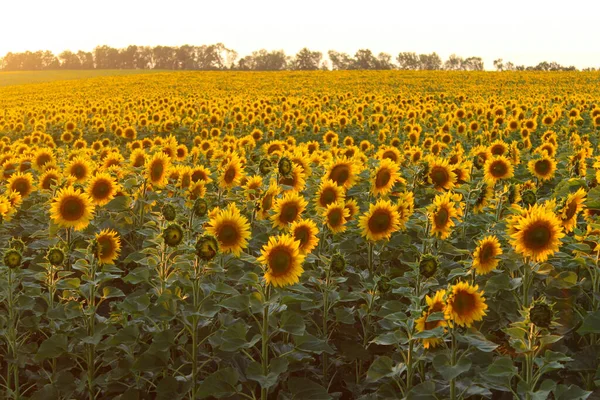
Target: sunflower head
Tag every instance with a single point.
(207, 247)
(285, 166)
(173, 235)
(72, 208)
(529, 198)
(200, 207)
(17, 244)
(55, 256)
(428, 265)
(12, 258)
(107, 246)
(265, 166)
(541, 314)
(168, 212)
(282, 261)
(465, 304)
(337, 263)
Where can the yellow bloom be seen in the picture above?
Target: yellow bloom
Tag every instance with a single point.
(282, 260)
(465, 304)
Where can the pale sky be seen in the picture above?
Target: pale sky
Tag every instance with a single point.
(523, 31)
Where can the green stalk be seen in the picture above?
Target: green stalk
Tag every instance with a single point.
(526, 279)
(325, 325)
(12, 339)
(370, 256)
(196, 298)
(91, 351)
(409, 365)
(452, 364)
(265, 342)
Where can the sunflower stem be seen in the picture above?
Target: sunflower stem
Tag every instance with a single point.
(265, 341)
(325, 325)
(526, 279)
(453, 363)
(12, 368)
(370, 257)
(143, 205)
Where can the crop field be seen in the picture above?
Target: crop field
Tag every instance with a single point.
(294, 235)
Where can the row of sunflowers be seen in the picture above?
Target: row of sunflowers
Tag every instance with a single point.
(301, 235)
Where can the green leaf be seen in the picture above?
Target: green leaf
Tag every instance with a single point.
(312, 344)
(292, 322)
(441, 363)
(219, 384)
(571, 392)
(236, 303)
(52, 347)
(166, 388)
(254, 372)
(544, 391)
(430, 333)
(423, 391)
(476, 339)
(234, 338)
(389, 338)
(497, 283)
(302, 388)
(109, 292)
(591, 324)
(383, 367)
(502, 368)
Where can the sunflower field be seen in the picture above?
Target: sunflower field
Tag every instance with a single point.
(322, 235)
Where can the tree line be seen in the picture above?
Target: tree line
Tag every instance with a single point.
(217, 57)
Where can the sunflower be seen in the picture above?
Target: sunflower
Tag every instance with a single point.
(465, 304)
(305, 232)
(441, 212)
(536, 233)
(49, 178)
(295, 180)
(380, 221)
(572, 206)
(485, 194)
(43, 157)
(329, 192)
(21, 183)
(352, 206)
(543, 168)
(102, 188)
(253, 187)
(385, 177)
(440, 174)
(79, 168)
(265, 204)
(343, 171)
(231, 229)
(156, 169)
(109, 246)
(336, 215)
(72, 209)
(497, 168)
(484, 258)
(288, 209)
(232, 172)
(434, 304)
(282, 260)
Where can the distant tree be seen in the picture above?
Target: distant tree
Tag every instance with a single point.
(263, 60)
(408, 61)
(340, 61)
(498, 64)
(453, 63)
(185, 57)
(364, 59)
(86, 59)
(145, 58)
(50, 61)
(473, 64)
(164, 57)
(384, 61)
(509, 66)
(430, 62)
(69, 60)
(306, 60)
(107, 57)
(128, 57)
(215, 57)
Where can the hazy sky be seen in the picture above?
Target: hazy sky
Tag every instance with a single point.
(523, 31)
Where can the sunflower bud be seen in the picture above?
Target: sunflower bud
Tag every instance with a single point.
(55, 256)
(338, 263)
(17, 244)
(285, 166)
(168, 212)
(200, 207)
(428, 265)
(12, 258)
(541, 314)
(265, 166)
(173, 235)
(529, 197)
(207, 247)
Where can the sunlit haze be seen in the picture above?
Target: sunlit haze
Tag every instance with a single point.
(524, 32)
